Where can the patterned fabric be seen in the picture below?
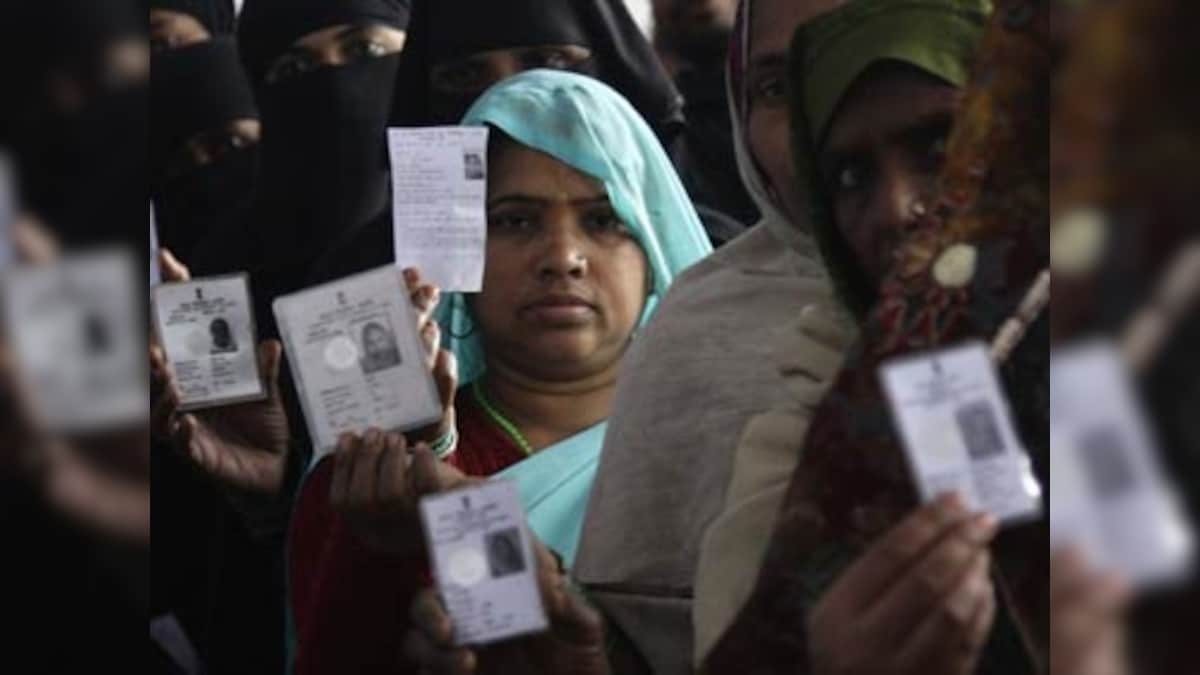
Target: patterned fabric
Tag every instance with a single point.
(852, 483)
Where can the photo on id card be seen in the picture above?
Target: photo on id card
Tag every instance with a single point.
(482, 559)
(957, 431)
(206, 327)
(356, 357)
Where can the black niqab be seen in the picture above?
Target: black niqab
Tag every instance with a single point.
(196, 89)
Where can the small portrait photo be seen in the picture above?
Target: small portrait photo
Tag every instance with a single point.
(223, 341)
(379, 348)
(97, 334)
(504, 552)
(473, 165)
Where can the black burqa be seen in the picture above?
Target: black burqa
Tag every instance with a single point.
(323, 159)
(201, 212)
(82, 163)
(321, 169)
(209, 575)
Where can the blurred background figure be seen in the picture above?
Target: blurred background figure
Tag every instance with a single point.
(76, 115)
(1125, 153)
(692, 39)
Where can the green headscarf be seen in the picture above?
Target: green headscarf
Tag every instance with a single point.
(829, 54)
(589, 126)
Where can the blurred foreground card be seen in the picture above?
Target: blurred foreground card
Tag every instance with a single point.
(76, 332)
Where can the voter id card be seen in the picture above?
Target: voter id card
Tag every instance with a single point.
(206, 327)
(958, 432)
(482, 559)
(1108, 493)
(356, 357)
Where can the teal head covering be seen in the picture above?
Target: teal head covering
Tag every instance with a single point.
(828, 55)
(587, 125)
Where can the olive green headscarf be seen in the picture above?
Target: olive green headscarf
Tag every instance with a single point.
(828, 55)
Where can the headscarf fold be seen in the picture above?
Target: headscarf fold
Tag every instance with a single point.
(589, 126)
(621, 56)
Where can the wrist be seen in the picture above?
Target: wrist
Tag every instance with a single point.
(445, 445)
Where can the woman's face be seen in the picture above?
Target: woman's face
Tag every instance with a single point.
(376, 340)
(565, 280)
(772, 23)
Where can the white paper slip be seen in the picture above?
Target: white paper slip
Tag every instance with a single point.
(356, 357)
(439, 213)
(482, 559)
(155, 270)
(1108, 493)
(78, 331)
(206, 327)
(958, 433)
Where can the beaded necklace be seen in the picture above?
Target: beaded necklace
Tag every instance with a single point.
(500, 420)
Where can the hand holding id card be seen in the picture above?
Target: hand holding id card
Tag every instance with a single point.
(357, 358)
(483, 562)
(206, 328)
(958, 432)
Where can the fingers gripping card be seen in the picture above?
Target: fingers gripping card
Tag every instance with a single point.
(958, 432)
(357, 358)
(206, 327)
(482, 559)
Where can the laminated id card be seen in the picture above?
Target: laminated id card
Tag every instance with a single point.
(958, 432)
(1108, 494)
(356, 357)
(482, 560)
(206, 327)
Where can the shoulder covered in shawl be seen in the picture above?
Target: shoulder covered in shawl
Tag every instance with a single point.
(701, 368)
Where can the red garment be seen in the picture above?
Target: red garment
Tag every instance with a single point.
(350, 603)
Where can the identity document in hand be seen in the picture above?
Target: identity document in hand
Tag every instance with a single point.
(1109, 494)
(206, 327)
(78, 334)
(356, 357)
(958, 431)
(482, 560)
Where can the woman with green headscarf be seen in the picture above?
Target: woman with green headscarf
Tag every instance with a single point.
(874, 90)
(587, 226)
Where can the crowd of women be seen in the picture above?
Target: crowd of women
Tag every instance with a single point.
(700, 242)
